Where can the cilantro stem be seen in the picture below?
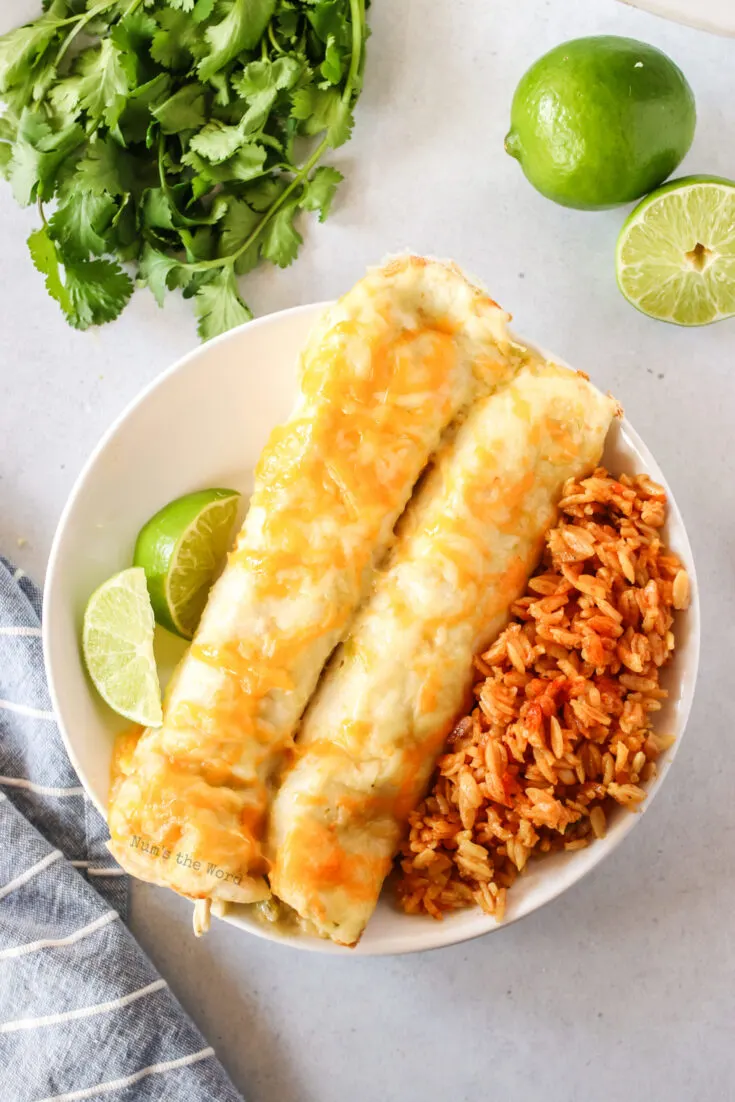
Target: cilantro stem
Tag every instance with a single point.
(204, 265)
(357, 10)
(81, 22)
(83, 19)
(86, 15)
(186, 221)
(162, 169)
(274, 41)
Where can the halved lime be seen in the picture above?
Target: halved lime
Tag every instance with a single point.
(117, 642)
(675, 257)
(181, 549)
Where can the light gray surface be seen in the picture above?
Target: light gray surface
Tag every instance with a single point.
(625, 987)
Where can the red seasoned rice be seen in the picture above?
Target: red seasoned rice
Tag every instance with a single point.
(562, 730)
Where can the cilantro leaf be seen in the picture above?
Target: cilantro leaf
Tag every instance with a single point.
(263, 195)
(223, 94)
(238, 224)
(135, 120)
(248, 162)
(64, 99)
(320, 109)
(341, 123)
(126, 231)
(241, 29)
(244, 165)
(259, 84)
(332, 66)
(81, 222)
(92, 292)
(281, 239)
(155, 270)
(287, 18)
(219, 306)
(46, 261)
(215, 212)
(259, 107)
(327, 19)
(21, 49)
(105, 82)
(37, 154)
(319, 190)
(156, 209)
(98, 291)
(186, 109)
(134, 33)
(105, 167)
(202, 10)
(217, 142)
(178, 40)
(261, 76)
(199, 244)
(8, 133)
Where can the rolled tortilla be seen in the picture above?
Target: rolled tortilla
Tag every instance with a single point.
(371, 735)
(384, 373)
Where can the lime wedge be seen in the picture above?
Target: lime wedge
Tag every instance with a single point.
(675, 257)
(182, 549)
(117, 642)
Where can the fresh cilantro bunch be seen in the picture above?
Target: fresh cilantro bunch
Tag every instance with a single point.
(179, 136)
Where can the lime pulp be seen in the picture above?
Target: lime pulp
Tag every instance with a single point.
(117, 643)
(675, 258)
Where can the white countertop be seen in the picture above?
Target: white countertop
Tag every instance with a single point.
(625, 987)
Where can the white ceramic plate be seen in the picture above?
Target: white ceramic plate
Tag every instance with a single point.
(717, 16)
(203, 423)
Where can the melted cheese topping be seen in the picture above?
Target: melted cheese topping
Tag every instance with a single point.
(370, 738)
(383, 375)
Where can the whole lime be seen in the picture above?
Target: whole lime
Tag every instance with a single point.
(600, 121)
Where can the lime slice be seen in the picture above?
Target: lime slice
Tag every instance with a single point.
(675, 257)
(117, 642)
(181, 549)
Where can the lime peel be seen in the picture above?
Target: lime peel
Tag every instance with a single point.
(181, 548)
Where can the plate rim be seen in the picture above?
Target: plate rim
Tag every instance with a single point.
(437, 935)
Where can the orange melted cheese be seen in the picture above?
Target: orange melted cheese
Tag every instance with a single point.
(318, 857)
(122, 756)
(373, 731)
(383, 375)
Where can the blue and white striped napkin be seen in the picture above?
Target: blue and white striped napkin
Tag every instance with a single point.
(83, 1013)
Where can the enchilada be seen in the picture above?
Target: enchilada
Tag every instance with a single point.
(467, 544)
(384, 373)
